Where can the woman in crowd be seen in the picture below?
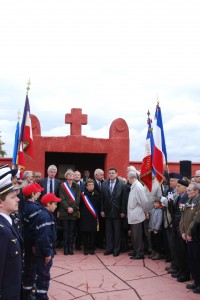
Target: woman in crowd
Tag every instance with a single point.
(89, 217)
(69, 209)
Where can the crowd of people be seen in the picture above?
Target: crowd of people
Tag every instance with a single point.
(38, 215)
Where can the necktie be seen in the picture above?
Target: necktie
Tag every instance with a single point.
(100, 184)
(111, 185)
(51, 186)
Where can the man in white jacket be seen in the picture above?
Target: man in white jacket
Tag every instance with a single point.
(136, 212)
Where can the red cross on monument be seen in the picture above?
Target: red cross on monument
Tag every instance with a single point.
(76, 119)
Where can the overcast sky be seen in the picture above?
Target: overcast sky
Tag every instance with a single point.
(112, 59)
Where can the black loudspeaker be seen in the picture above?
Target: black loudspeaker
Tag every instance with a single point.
(186, 168)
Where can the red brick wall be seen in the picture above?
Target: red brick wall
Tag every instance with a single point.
(173, 166)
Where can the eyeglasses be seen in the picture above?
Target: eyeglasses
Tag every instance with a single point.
(188, 190)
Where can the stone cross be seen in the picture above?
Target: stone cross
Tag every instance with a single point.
(76, 119)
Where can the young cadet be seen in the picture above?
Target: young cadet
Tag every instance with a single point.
(31, 210)
(10, 239)
(45, 243)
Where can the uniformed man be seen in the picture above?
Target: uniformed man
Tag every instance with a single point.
(10, 239)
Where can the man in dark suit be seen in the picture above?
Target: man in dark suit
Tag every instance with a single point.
(113, 209)
(100, 235)
(10, 239)
(52, 185)
(78, 238)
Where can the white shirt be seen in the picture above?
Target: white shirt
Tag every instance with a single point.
(8, 218)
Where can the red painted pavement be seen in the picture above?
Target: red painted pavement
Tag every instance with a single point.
(102, 277)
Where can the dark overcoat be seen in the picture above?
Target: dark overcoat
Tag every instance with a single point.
(67, 202)
(88, 223)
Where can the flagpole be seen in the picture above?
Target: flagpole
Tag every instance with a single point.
(160, 152)
(16, 144)
(146, 168)
(26, 135)
(28, 86)
(25, 141)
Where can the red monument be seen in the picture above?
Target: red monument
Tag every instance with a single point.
(80, 152)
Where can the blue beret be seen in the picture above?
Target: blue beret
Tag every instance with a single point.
(183, 182)
(175, 175)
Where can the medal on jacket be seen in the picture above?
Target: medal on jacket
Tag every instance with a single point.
(181, 207)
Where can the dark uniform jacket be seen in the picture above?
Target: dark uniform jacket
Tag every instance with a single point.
(10, 261)
(115, 203)
(179, 204)
(45, 233)
(31, 211)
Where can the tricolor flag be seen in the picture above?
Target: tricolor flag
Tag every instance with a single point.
(146, 169)
(20, 158)
(16, 145)
(26, 136)
(160, 153)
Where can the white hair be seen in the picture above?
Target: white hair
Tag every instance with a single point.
(132, 168)
(132, 174)
(197, 173)
(52, 167)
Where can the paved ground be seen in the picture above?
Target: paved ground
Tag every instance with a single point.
(102, 277)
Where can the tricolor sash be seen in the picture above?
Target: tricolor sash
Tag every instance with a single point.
(69, 191)
(90, 207)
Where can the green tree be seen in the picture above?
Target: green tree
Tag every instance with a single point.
(2, 152)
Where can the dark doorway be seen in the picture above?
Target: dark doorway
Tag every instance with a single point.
(76, 161)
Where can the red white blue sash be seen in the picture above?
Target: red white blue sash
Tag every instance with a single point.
(69, 191)
(90, 207)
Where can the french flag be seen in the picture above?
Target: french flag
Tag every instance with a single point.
(160, 153)
(20, 160)
(146, 169)
(16, 145)
(26, 135)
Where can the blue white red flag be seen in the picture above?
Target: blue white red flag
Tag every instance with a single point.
(160, 153)
(20, 159)
(16, 145)
(146, 169)
(26, 136)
